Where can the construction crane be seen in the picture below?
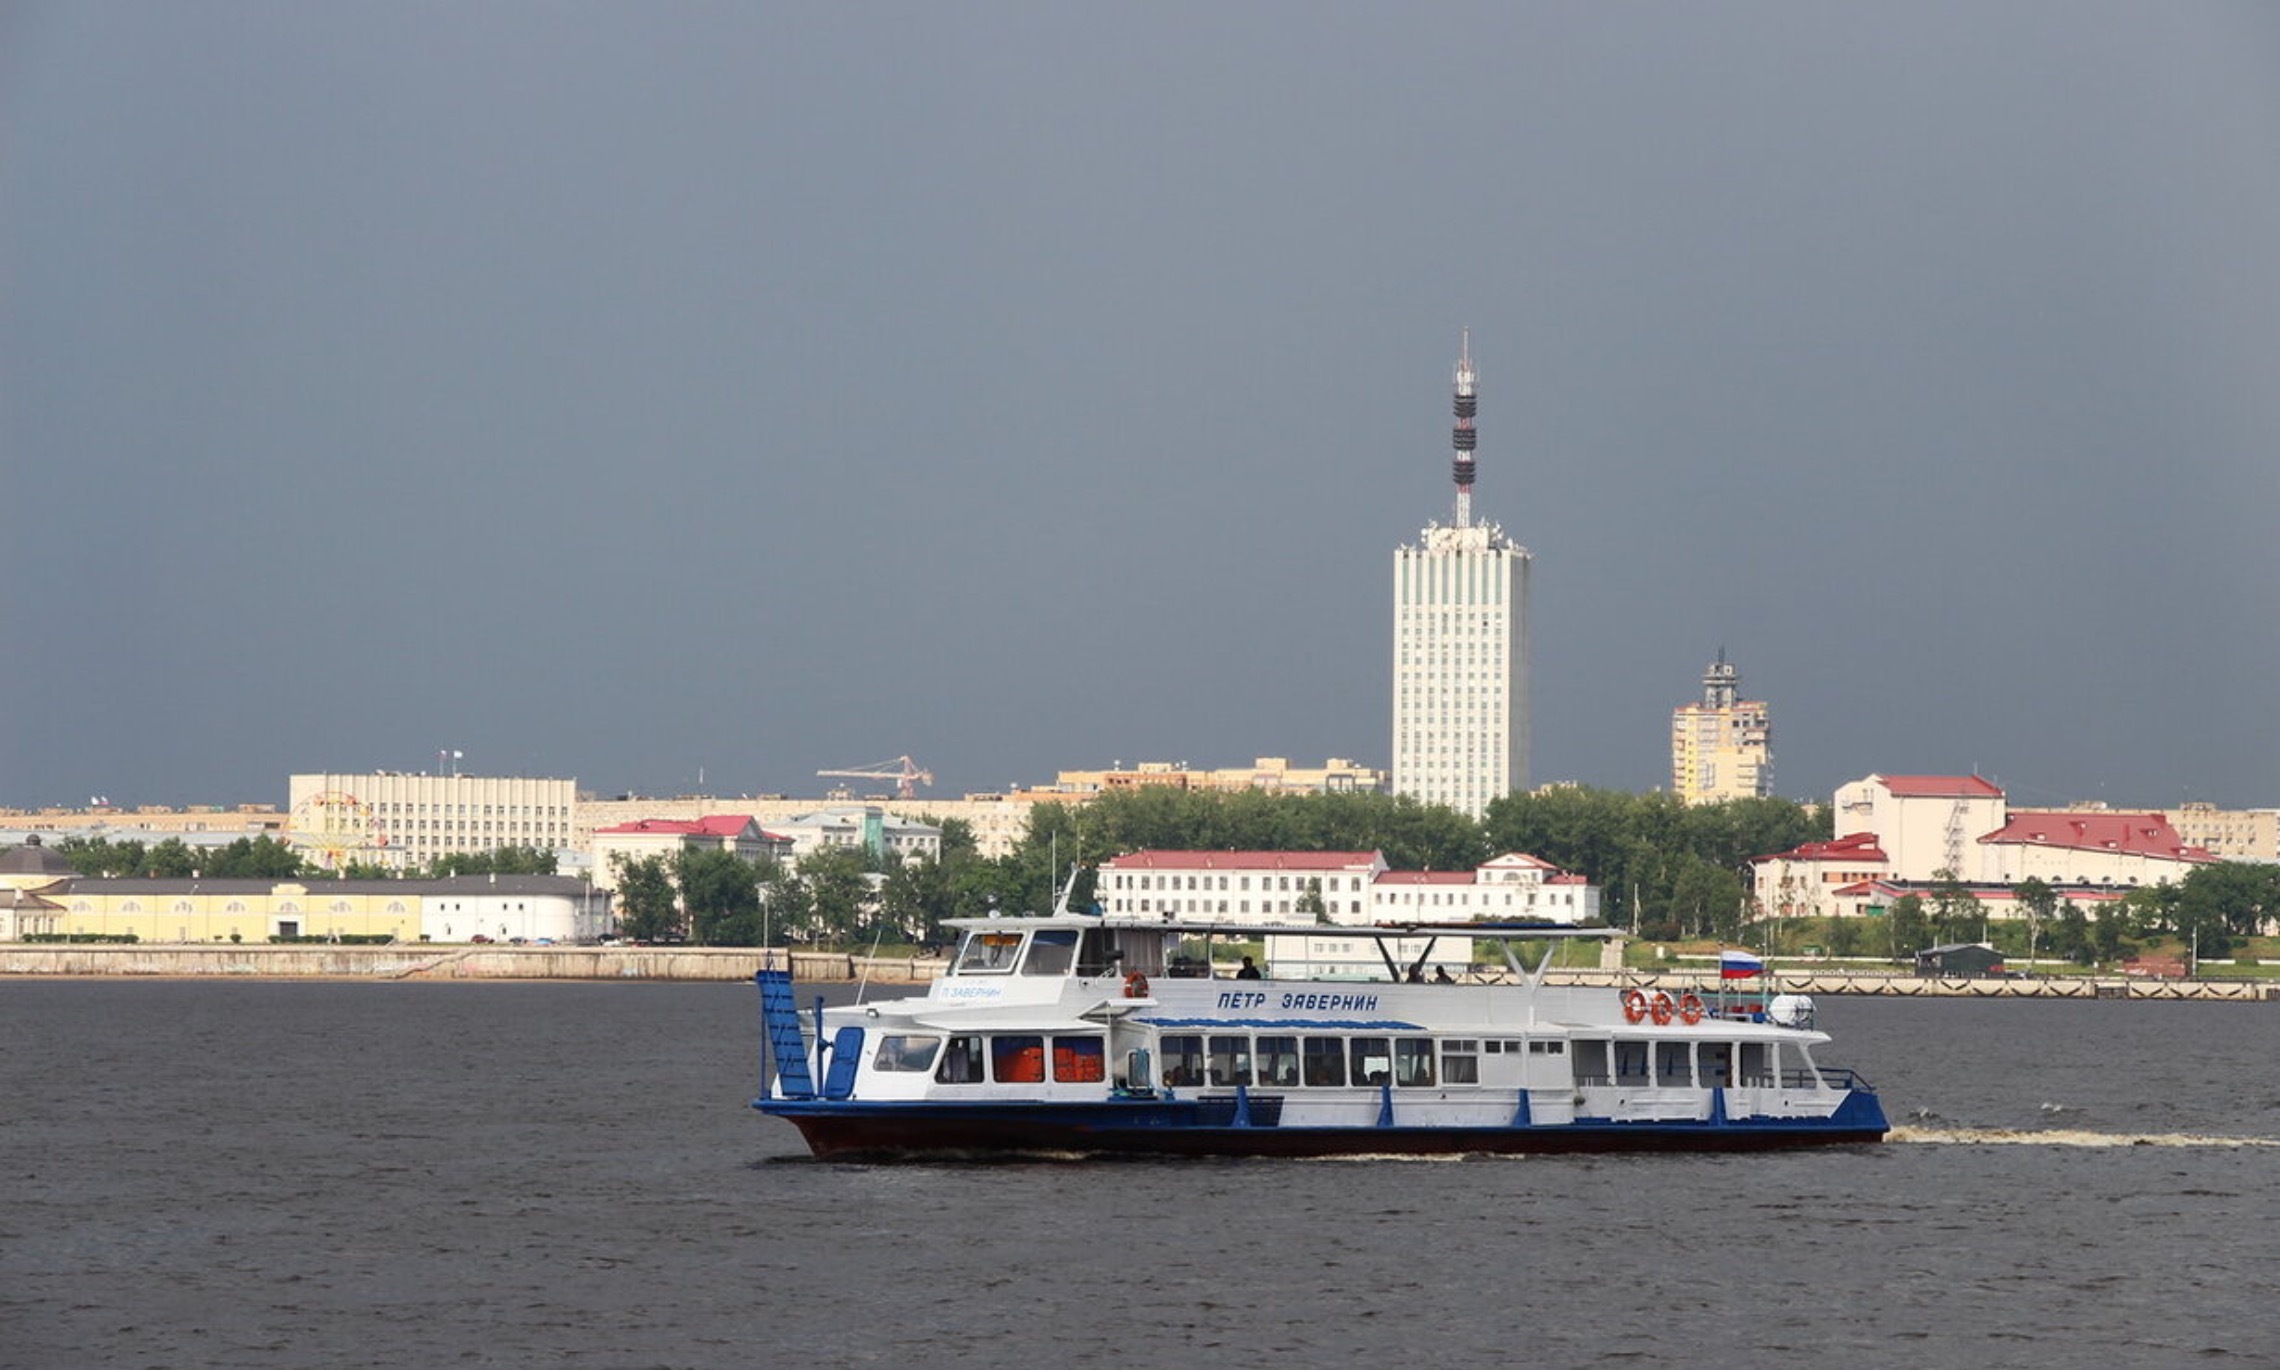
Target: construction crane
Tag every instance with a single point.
(907, 774)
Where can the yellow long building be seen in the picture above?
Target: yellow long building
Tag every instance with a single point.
(39, 903)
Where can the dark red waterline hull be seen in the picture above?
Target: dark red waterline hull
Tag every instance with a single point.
(862, 1138)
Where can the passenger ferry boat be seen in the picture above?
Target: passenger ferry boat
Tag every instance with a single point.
(1069, 1033)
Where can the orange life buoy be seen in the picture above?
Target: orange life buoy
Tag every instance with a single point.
(1690, 1007)
(1660, 1008)
(1634, 1006)
(1136, 986)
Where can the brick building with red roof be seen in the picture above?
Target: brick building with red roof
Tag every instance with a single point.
(737, 833)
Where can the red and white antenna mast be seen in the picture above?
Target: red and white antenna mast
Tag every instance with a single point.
(1463, 438)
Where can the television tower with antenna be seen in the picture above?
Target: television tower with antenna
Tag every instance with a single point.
(1460, 644)
(1463, 438)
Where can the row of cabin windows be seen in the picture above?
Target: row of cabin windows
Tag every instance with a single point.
(1052, 951)
(1280, 1062)
(1010, 1057)
(1680, 1063)
(1196, 1060)
(1191, 1060)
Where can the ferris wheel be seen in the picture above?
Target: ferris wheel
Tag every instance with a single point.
(335, 826)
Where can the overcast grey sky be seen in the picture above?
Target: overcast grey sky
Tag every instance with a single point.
(629, 391)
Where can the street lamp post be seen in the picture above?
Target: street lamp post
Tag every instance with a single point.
(760, 896)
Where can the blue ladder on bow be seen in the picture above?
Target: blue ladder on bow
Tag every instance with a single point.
(780, 1022)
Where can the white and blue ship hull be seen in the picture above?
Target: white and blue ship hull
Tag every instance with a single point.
(1050, 1036)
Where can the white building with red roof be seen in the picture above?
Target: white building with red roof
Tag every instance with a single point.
(1804, 881)
(1238, 886)
(1355, 887)
(1872, 898)
(736, 833)
(1924, 823)
(2082, 847)
(1908, 831)
(1512, 887)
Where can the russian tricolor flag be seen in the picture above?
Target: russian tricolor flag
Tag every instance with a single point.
(1738, 965)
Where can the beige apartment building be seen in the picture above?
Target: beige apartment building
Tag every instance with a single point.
(148, 823)
(1273, 774)
(2230, 834)
(400, 819)
(1722, 747)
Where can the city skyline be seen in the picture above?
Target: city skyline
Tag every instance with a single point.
(741, 394)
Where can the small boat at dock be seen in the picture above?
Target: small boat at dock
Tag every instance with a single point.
(1069, 1033)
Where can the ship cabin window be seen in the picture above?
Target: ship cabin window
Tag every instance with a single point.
(1277, 1059)
(1591, 1063)
(1716, 1063)
(1460, 1061)
(961, 1062)
(1052, 951)
(1017, 1059)
(1413, 1062)
(988, 953)
(1674, 1064)
(1079, 1060)
(1757, 1064)
(1373, 1061)
(903, 1051)
(1182, 1060)
(1094, 955)
(1323, 1060)
(1630, 1063)
(1231, 1060)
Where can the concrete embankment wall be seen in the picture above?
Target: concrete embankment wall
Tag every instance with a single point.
(422, 962)
(1926, 987)
(444, 963)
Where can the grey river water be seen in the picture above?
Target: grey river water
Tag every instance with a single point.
(228, 1174)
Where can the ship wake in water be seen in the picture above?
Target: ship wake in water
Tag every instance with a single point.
(2003, 1136)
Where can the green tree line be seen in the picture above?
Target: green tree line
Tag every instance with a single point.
(2209, 913)
(266, 858)
(1665, 868)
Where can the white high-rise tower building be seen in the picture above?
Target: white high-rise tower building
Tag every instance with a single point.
(1460, 647)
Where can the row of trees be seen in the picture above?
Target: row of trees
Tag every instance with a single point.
(266, 858)
(247, 858)
(2209, 911)
(1666, 869)
(841, 896)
